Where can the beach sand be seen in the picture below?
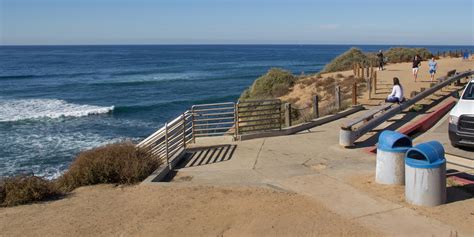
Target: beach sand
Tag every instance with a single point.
(158, 210)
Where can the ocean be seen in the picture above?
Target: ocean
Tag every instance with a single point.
(56, 101)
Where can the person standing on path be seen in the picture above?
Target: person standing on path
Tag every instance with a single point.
(380, 58)
(433, 65)
(416, 65)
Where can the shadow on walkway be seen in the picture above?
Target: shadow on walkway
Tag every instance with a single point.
(207, 155)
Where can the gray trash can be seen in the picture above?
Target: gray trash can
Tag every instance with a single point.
(391, 149)
(425, 174)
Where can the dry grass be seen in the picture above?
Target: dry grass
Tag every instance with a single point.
(26, 189)
(275, 83)
(397, 55)
(120, 163)
(346, 60)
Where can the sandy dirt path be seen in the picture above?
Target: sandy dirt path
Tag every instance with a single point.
(105, 210)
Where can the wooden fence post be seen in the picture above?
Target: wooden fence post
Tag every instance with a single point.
(338, 98)
(288, 114)
(316, 106)
(375, 81)
(354, 93)
(369, 88)
(357, 70)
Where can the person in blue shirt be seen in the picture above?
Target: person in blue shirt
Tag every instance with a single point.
(433, 65)
(465, 56)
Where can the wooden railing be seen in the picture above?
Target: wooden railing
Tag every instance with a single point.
(258, 115)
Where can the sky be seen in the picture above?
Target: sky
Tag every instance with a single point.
(402, 22)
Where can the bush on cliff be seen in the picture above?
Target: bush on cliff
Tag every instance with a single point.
(120, 163)
(275, 83)
(398, 55)
(26, 189)
(345, 61)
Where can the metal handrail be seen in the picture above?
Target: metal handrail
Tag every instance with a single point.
(348, 135)
(169, 139)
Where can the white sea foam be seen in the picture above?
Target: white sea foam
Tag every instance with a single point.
(15, 110)
(48, 155)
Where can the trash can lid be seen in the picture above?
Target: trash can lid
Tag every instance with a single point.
(425, 155)
(394, 141)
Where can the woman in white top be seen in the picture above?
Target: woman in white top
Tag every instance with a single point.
(397, 92)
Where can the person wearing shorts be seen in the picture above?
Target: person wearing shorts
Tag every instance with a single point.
(416, 66)
(433, 65)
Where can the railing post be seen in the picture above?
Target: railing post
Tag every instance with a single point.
(354, 93)
(184, 130)
(236, 117)
(192, 125)
(316, 106)
(166, 146)
(288, 114)
(279, 112)
(338, 98)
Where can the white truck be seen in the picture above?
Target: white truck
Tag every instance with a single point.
(461, 119)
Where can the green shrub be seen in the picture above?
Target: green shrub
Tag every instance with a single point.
(120, 163)
(26, 189)
(275, 83)
(345, 61)
(398, 55)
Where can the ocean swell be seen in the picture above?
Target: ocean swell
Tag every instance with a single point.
(24, 109)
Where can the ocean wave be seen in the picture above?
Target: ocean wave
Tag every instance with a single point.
(46, 155)
(24, 109)
(177, 103)
(18, 77)
(160, 80)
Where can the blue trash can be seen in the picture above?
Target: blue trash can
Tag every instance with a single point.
(425, 174)
(391, 148)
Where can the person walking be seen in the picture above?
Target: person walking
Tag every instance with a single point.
(416, 65)
(433, 65)
(397, 92)
(380, 58)
(465, 56)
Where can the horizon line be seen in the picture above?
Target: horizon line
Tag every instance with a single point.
(224, 44)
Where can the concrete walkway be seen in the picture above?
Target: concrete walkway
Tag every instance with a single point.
(310, 163)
